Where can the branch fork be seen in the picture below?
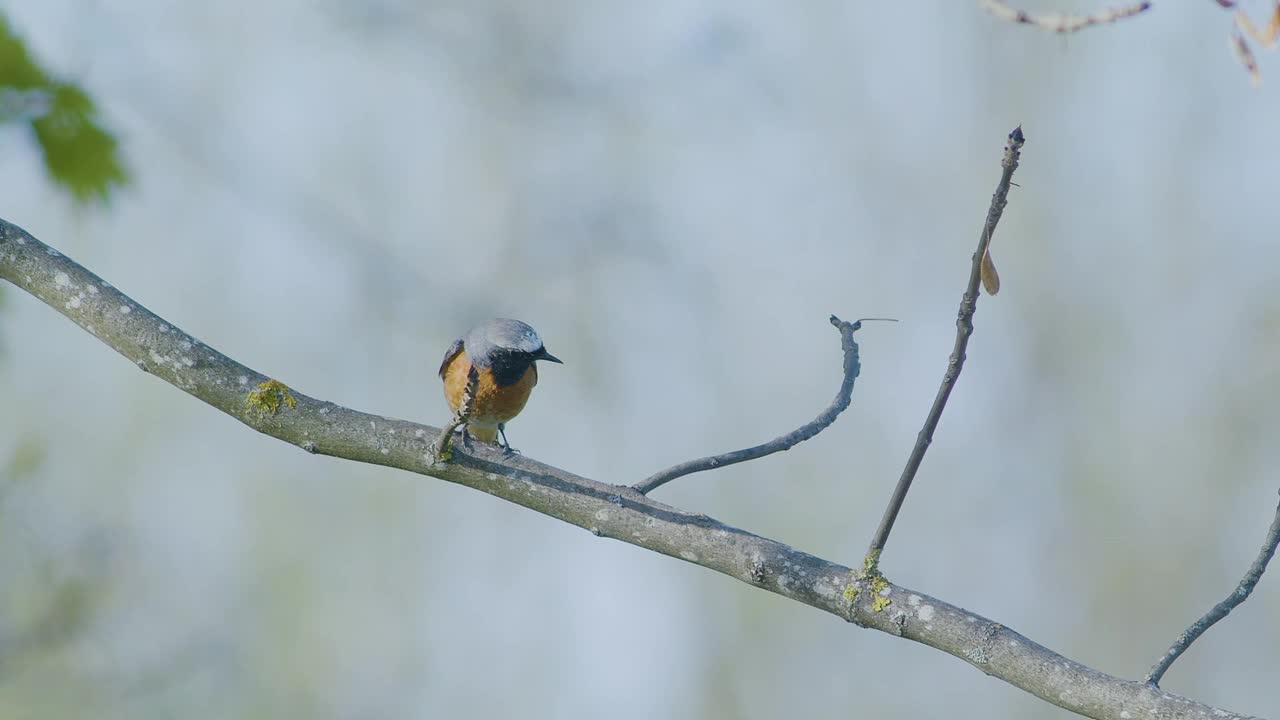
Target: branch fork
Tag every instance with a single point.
(864, 597)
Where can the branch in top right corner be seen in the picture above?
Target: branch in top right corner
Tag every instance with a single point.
(1060, 22)
(1245, 30)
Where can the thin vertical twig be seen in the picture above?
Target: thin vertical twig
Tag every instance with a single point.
(964, 328)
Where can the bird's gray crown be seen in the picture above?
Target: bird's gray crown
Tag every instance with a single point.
(501, 334)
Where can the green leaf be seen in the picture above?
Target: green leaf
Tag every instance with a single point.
(17, 69)
(79, 154)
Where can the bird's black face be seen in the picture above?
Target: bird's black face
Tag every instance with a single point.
(509, 365)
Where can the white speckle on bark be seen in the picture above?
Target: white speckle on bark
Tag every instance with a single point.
(386, 451)
(157, 358)
(1125, 714)
(971, 619)
(125, 309)
(492, 476)
(20, 241)
(423, 433)
(913, 600)
(188, 362)
(164, 328)
(52, 253)
(1013, 643)
(184, 345)
(689, 555)
(74, 302)
(925, 612)
(61, 279)
(92, 290)
(1067, 698)
(391, 431)
(884, 592)
(373, 425)
(243, 379)
(784, 581)
(603, 516)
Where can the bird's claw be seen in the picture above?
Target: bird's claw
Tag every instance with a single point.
(507, 450)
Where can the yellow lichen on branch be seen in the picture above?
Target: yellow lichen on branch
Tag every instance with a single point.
(269, 396)
(871, 577)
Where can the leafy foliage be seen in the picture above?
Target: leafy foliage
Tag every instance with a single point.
(79, 154)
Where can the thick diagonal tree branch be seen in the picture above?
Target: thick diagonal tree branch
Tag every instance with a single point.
(614, 511)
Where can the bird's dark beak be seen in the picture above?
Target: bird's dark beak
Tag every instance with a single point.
(544, 355)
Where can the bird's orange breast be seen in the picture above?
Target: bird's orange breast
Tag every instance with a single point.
(493, 403)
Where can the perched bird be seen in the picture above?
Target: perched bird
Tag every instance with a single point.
(503, 352)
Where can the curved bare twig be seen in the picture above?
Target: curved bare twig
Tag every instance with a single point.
(1224, 608)
(613, 511)
(964, 328)
(1062, 23)
(852, 367)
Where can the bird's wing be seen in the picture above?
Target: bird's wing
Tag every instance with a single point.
(449, 354)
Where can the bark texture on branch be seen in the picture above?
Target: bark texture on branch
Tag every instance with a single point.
(614, 511)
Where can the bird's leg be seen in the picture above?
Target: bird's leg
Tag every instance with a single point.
(506, 445)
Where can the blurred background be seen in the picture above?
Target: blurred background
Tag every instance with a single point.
(676, 194)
